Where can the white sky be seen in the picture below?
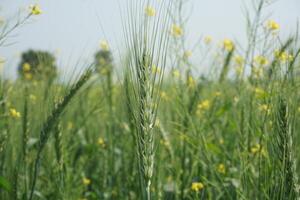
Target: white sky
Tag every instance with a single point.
(72, 28)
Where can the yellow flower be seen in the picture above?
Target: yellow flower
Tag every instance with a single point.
(150, 11)
(257, 148)
(204, 105)
(221, 141)
(14, 113)
(264, 108)
(283, 56)
(86, 181)
(221, 168)
(272, 25)
(228, 45)
(155, 69)
(26, 67)
(104, 45)
(191, 82)
(187, 54)
(261, 60)
(259, 93)
(101, 142)
(35, 10)
(197, 186)
(28, 76)
(207, 39)
(239, 60)
(176, 30)
(176, 73)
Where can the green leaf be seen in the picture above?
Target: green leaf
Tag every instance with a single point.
(4, 184)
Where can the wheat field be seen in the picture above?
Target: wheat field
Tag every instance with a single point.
(152, 126)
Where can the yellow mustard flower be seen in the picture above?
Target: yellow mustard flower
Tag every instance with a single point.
(259, 92)
(191, 82)
(101, 142)
(261, 60)
(35, 10)
(204, 105)
(258, 149)
(221, 141)
(264, 108)
(155, 69)
(176, 73)
(86, 181)
(26, 67)
(150, 11)
(283, 56)
(272, 25)
(228, 45)
(239, 60)
(187, 54)
(14, 113)
(207, 39)
(104, 45)
(221, 168)
(176, 30)
(28, 76)
(197, 186)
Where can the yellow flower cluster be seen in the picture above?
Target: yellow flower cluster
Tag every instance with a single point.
(101, 142)
(176, 73)
(259, 93)
(261, 60)
(187, 54)
(197, 186)
(150, 11)
(283, 56)
(228, 45)
(257, 148)
(35, 10)
(272, 25)
(207, 39)
(176, 30)
(104, 45)
(155, 69)
(191, 82)
(86, 181)
(221, 168)
(14, 113)
(203, 106)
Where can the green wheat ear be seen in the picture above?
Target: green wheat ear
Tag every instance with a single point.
(52, 120)
(147, 37)
(287, 184)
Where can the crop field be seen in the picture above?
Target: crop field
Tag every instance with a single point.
(143, 122)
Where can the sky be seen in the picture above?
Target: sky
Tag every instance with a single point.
(72, 29)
